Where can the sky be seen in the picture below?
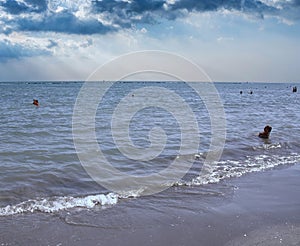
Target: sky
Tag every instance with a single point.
(246, 40)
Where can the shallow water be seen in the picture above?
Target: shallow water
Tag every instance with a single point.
(40, 170)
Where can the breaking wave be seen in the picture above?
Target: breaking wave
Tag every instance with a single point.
(59, 203)
(222, 170)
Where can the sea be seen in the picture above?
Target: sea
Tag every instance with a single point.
(43, 172)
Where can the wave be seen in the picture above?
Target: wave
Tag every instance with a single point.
(219, 171)
(268, 146)
(236, 168)
(59, 203)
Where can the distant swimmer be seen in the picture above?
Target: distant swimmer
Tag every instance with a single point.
(241, 92)
(35, 102)
(295, 89)
(266, 132)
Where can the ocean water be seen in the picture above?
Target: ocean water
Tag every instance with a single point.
(40, 171)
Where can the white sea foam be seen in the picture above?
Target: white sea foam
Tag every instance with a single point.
(268, 146)
(131, 194)
(59, 203)
(233, 168)
(222, 170)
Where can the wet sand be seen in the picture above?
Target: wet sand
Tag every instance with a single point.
(256, 209)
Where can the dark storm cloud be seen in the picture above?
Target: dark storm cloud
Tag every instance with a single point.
(63, 22)
(136, 6)
(17, 7)
(296, 2)
(35, 16)
(10, 50)
(126, 14)
(149, 11)
(13, 7)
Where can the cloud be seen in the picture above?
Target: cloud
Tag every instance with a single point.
(52, 44)
(44, 16)
(14, 50)
(225, 39)
(148, 11)
(102, 16)
(63, 22)
(16, 7)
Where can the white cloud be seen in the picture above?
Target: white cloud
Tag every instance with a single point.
(144, 30)
(71, 5)
(225, 39)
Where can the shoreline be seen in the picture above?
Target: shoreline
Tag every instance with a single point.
(256, 209)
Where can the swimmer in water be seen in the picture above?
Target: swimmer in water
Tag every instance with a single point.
(295, 89)
(35, 102)
(266, 132)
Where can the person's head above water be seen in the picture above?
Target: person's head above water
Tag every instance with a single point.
(35, 102)
(266, 132)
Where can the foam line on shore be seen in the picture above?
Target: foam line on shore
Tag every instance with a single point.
(233, 168)
(225, 169)
(59, 203)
